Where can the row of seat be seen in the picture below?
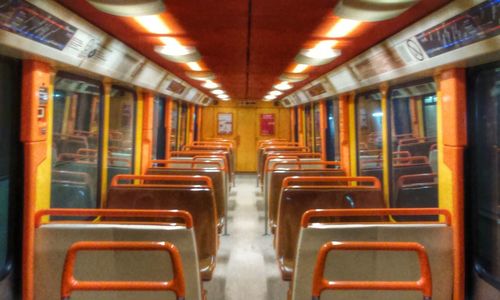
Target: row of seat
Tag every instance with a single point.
(312, 203)
(177, 207)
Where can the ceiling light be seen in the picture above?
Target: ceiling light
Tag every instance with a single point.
(269, 98)
(194, 65)
(275, 93)
(129, 7)
(317, 56)
(218, 92)
(223, 97)
(372, 10)
(200, 75)
(181, 54)
(283, 86)
(210, 85)
(342, 28)
(299, 68)
(293, 77)
(153, 24)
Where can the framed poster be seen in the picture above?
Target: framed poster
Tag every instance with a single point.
(267, 124)
(224, 124)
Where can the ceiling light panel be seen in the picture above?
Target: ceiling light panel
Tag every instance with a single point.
(129, 8)
(153, 24)
(283, 86)
(372, 10)
(210, 85)
(275, 93)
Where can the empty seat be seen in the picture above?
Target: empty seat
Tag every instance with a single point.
(72, 190)
(279, 171)
(300, 194)
(436, 237)
(417, 146)
(210, 169)
(417, 191)
(190, 193)
(53, 239)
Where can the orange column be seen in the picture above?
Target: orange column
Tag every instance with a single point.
(322, 128)
(292, 124)
(452, 115)
(36, 81)
(198, 122)
(300, 113)
(344, 124)
(190, 125)
(147, 130)
(168, 126)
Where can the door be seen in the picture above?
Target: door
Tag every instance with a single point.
(10, 178)
(483, 170)
(246, 154)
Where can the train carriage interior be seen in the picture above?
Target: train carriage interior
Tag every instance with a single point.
(250, 149)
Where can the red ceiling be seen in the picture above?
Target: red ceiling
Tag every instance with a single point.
(249, 44)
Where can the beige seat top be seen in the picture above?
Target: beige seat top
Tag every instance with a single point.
(53, 240)
(361, 265)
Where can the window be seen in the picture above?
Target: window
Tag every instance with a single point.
(195, 122)
(296, 125)
(173, 126)
(121, 139)
(10, 157)
(484, 171)
(76, 142)
(369, 133)
(332, 130)
(414, 150)
(317, 127)
(159, 132)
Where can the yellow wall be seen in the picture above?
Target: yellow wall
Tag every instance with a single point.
(246, 128)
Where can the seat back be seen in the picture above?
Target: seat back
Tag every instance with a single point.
(299, 194)
(71, 190)
(53, 239)
(417, 191)
(278, 172)
(436, 237)
(193, 194)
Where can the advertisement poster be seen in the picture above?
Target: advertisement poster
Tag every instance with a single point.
(224, 123)
(267, 124)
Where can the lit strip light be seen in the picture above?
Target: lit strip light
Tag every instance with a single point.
(195, 66)
(153, 24)
(299, 68)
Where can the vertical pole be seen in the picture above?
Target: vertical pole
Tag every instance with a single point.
(147, 131)
(345, 133)
(452, 140)
(199, 122)
(168, 127)
(105, 141)
(322, 128)
(292, 124)
(139, 117)
(386, 139)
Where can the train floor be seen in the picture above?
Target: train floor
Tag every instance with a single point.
(246, 264)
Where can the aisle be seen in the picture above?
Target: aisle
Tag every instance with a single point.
(246, 266)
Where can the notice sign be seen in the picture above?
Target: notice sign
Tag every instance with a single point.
(224, 123)
(267, 124)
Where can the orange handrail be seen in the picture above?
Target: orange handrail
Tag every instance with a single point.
(424, 284)
(223, 157)
(362, 212)
(198, 152)
(191, 162)
(115, 182)
(427, 178)
(361, 179)
(69, 284)
(122, 213)
(301, 163)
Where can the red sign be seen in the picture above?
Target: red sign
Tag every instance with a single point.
(267, 124)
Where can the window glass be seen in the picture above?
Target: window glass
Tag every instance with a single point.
(309, 128)
(158, 147)
(317, 128)
(369, 133)
(10, 151)
(195, 122)
(173, 126)
(121, 132)
(414, 159)
(484, 164)
(183, 125)
(75, 142)
(332, 130)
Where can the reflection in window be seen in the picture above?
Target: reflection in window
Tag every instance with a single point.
(183, 125)
(121, 132)
(75, 142)
(332, 130)
(158, 147)
(173, 126)
(308, 126)
(485, 171)
(317, 128)
(369, 132)
(414, 160)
